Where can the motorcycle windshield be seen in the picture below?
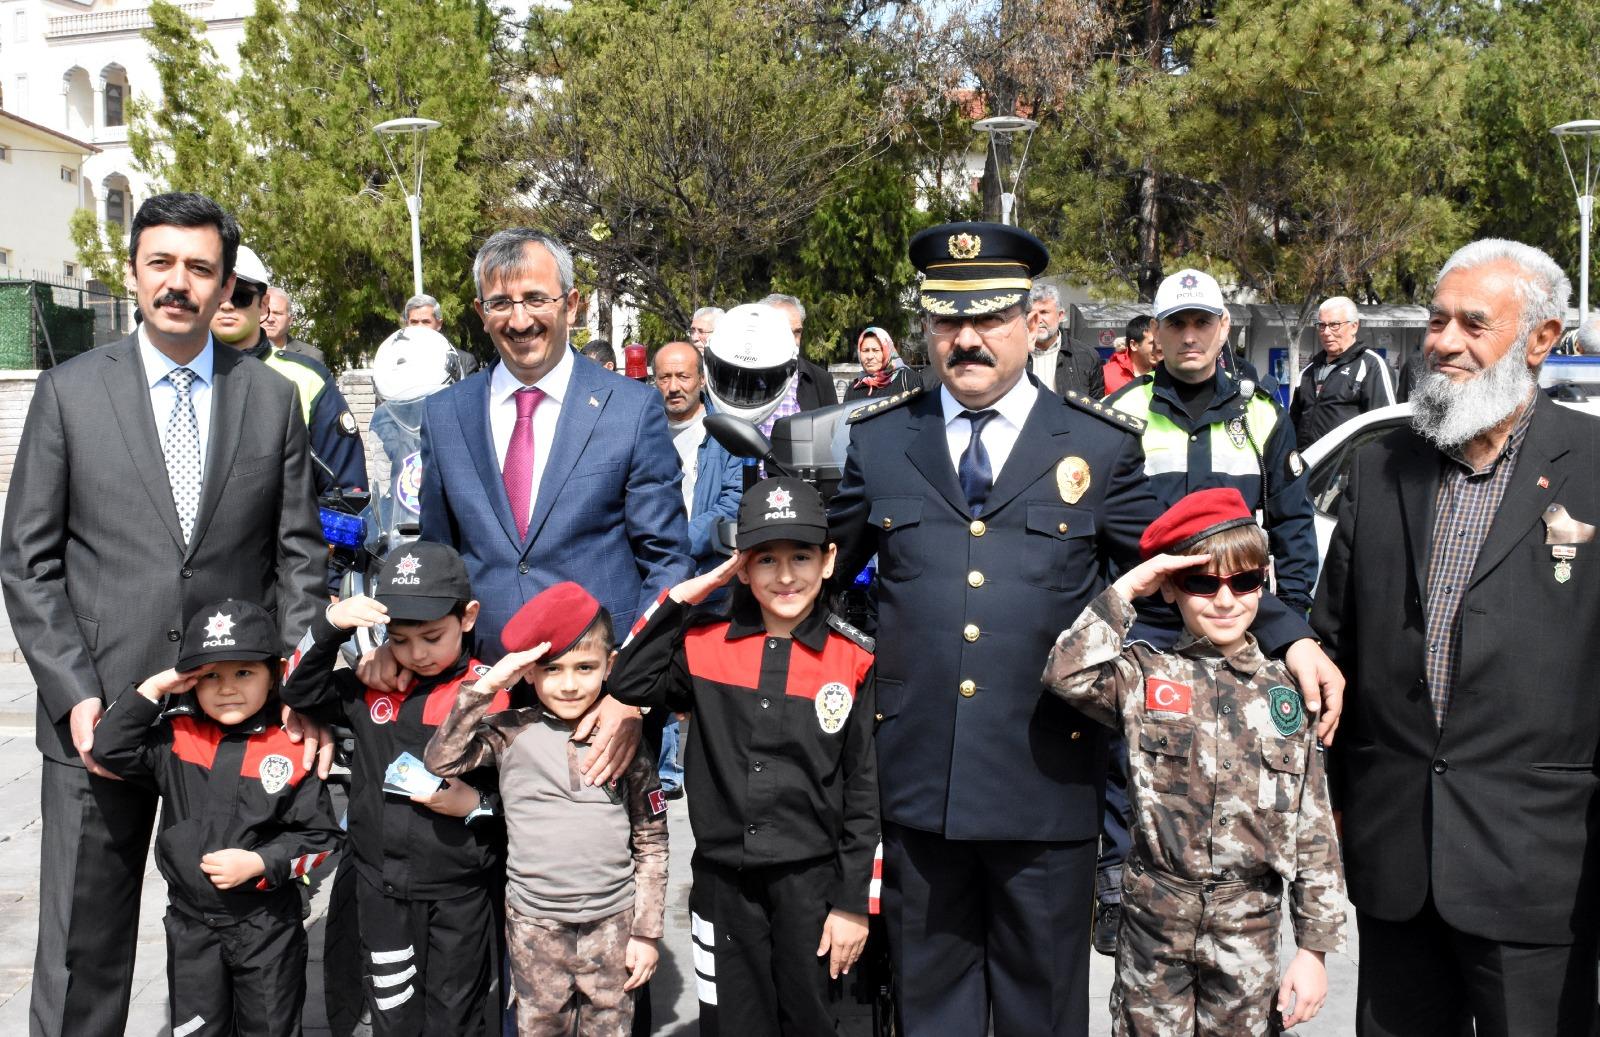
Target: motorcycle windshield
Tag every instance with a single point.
(747, 386)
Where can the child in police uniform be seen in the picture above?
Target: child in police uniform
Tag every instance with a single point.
(426, 851)
(780, 770)
(1229, 794)
(586, 871)
(242, 821)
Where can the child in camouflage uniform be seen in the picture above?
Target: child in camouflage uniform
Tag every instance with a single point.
(586, 871)
(1229, 794)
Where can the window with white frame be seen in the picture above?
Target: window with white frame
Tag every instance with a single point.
(116, 206)
(69, 175)
(19, 26)
(114, 115)
(5, 257)
(70, 269)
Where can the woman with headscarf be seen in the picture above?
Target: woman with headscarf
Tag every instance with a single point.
(883, 373)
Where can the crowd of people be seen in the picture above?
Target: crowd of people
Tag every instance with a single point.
(1113, 699)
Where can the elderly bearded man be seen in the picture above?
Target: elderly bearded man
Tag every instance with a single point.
(1466, 768)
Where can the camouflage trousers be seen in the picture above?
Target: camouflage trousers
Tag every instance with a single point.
(1196, 958)
(566, 973)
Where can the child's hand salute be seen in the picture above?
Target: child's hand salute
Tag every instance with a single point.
(694, 591)
(169, 682)
(359, 611)
(1146, 577)
(512, 667)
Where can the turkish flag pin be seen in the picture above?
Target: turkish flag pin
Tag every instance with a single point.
(1544, 484)
(1165, 696)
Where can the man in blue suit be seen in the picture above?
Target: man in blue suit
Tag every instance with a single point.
(546, 467)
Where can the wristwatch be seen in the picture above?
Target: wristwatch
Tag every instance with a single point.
(488, 806)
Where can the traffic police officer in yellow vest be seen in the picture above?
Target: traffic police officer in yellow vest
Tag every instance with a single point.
(1202, 429)
(339, 461)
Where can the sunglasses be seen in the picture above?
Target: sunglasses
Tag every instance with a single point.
(244, 295)
(1206, 585)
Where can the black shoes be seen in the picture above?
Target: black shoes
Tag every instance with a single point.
(1106, 919)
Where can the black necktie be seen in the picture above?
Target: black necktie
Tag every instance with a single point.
(976, 478)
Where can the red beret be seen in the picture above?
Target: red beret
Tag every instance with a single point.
(1193, 518)
(559, 615)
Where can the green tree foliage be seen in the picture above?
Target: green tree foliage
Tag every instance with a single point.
(1539, 66)
(702, 151)
(285, 141)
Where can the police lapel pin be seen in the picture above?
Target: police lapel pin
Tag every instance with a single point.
(1072, 478)
(593, 402)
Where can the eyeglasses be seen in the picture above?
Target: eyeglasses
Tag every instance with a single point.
(1330, 325)
(1206, 585)
(984, 324)
(501, 306)
(244, 295)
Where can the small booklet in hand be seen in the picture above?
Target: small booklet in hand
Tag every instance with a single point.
(407, 776)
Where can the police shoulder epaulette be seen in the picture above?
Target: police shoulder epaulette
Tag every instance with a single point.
(1105, 412)
(852, 633)
(863, 413)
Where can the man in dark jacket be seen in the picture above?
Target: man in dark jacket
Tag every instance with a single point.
(1056, 360)
(1344, 379)
(1466, 767)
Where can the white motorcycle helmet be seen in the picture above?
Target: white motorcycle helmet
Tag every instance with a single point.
(750, 360)
(412, 363)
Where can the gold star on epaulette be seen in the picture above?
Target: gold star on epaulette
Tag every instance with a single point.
(882, 405)
(1089, 405)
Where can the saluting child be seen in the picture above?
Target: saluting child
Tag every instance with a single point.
(425, 850)
(241, 820)
(780, 769)
(586, 871)
(1230, 799)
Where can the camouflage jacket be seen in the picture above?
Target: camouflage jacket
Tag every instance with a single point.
(576, 853)
(1225, 776)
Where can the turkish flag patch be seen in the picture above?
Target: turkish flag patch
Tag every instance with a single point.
(658, 802)
(1166, 696)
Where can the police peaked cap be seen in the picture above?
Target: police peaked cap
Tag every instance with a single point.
(969, 269)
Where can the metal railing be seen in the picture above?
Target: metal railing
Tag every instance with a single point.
(125, 20)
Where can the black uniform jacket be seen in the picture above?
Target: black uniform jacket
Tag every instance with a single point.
(1496, 814)
(779, 765)
(240, 787)
(1359, 382)
(969, 745)
(401, 847)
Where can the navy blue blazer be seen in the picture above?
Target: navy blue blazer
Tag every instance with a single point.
(609, 514)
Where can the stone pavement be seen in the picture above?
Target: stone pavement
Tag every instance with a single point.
(672, 989)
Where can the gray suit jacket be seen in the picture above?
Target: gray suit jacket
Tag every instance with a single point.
(98, 583)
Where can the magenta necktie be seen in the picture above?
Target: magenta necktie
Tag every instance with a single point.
(518, 469)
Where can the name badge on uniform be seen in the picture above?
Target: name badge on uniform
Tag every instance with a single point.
(1166, 696)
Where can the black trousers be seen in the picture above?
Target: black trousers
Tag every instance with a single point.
(1423, 978)
(988, 927)
(427, 963)
(245, 978)
(755, 934)
(95, 834)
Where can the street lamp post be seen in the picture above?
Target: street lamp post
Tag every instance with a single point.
(1585, 130)
(415, 131)
(1003, 128)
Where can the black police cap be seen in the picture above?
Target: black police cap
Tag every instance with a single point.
(422, 582)
(781, 509)
(971, 269)
(228, 630)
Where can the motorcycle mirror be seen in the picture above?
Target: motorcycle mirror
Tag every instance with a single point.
(742, 439)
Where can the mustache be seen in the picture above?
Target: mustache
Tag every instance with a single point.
(970, 356)
(179, 299)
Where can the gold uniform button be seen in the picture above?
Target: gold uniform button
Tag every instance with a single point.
(887, 522)
(968, 689)
(970, 632)
(1076, 735)
(1062, 528)
(974, 579)
(978, 528)
(879, 716)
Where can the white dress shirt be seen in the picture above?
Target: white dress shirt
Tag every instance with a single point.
(163, 397)
(503, 415)
(999, 435)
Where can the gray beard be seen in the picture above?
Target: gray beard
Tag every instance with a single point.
(1449, 415)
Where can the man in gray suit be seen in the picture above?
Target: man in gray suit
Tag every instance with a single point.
(155, 475)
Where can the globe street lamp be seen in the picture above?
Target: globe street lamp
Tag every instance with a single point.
(414, 131)
(1585, 130)
(1000, 129)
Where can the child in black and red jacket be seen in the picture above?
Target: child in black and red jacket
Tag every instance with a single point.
(241, 820)
(780, 771)
(427, 853)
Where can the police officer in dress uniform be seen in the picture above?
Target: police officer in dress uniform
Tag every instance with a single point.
(995, 508)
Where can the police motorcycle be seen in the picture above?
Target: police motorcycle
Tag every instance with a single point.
(747, 376)
(411, 365)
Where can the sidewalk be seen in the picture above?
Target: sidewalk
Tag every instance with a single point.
(672, 989)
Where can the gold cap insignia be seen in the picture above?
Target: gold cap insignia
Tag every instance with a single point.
(965, 246)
